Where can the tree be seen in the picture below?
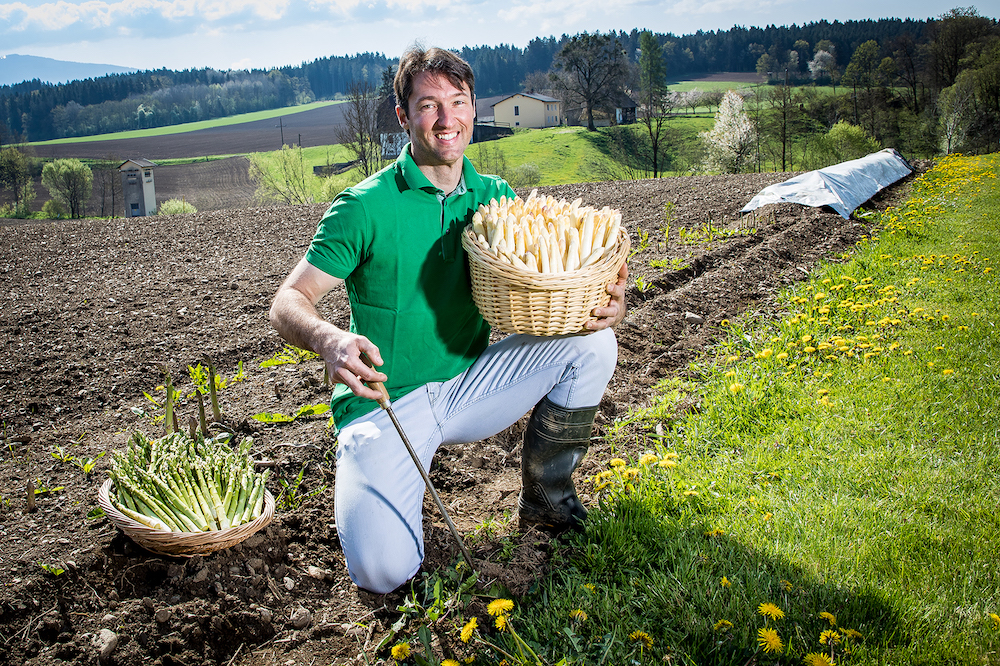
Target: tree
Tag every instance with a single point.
(359, 132)
(593, 68)
(862, 72)
(953, 38)
(956, 104)
(656, 101)
(70, 182)
(108, 184)
(822, 65)
(15, 176)
(281, 176)
(731, 140)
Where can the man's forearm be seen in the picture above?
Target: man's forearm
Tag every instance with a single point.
(298, 321)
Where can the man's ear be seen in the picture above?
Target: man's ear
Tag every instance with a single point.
(401, 117)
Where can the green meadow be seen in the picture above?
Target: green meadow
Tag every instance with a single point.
(831, 499)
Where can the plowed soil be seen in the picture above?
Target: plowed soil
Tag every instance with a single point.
(91, 309)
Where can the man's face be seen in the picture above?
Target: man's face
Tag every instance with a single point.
(439, 119)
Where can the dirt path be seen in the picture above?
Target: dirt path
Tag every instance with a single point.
(89, 311)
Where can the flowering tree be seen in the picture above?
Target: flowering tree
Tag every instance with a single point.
(731, 141)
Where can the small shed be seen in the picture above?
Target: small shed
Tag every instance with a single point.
(138, 188)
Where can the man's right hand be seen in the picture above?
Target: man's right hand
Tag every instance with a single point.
(343, 362)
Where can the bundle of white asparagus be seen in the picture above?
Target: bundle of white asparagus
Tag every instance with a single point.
(546, 235)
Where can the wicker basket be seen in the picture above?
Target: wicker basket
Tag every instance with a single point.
(514, 300)
(183, 544)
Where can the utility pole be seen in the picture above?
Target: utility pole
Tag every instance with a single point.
(281, 126)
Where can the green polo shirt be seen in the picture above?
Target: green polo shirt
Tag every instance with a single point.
(395, 239)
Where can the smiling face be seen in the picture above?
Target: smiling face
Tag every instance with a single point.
(439, 119)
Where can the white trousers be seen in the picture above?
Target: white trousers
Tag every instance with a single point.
(379, 492)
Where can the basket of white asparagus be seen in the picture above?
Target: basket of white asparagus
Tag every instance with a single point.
(541, 265)
(182, 497)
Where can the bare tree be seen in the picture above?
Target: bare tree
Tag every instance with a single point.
(593, 68)
(108, 184)
(360, 131)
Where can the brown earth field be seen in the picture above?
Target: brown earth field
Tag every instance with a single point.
(91, 309)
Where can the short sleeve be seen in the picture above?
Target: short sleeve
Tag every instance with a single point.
(340, 243)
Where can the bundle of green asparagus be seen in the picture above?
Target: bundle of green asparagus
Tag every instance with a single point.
(179, 484)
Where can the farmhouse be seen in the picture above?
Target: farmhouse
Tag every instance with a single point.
(138, 188)
(528, 110)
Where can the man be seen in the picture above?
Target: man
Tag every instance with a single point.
(394, 240)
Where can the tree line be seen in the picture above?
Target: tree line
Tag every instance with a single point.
(37, 111)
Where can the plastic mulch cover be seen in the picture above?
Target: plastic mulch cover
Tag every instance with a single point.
(843, 187)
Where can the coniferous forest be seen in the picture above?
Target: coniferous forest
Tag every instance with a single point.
(894, 68)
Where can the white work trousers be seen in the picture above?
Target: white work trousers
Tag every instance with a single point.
(379, 492)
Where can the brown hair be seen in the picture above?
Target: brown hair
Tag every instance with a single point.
(435, 60)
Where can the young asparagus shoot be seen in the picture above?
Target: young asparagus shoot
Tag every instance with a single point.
(216, 412)
(169, 423)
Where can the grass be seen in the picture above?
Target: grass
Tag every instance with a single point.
(833, 497)
(189, 127)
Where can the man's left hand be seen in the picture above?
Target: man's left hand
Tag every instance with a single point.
(614, 311)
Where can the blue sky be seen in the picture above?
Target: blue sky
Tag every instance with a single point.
(225, 34)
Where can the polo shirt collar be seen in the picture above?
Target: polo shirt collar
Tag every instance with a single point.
(416, 180)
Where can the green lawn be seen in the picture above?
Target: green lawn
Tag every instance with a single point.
(833, 497)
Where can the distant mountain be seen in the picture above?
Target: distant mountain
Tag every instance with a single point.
(16, 68)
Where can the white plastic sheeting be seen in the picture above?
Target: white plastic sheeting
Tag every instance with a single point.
(843, 187)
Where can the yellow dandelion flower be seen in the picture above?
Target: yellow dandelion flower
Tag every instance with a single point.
(852, 634)
(818, 659)
(947, 371)
(787, 584)
(730, 374)
(648, 458)
(782, 356)
(578, 615)
(829, 617)
(690, 492)
(829, 637)
(769, 641)
(770, 610)
(616, 462)
(736, 388)
(667, 463)
(723, 625)
(400, 651)
(501, 622)
(469, 629)
(715, 533)
(996, 621)
(766, 353)
(768, 516)
(500, 606)
(724, 582)
(589, 587)
(449, 662)
(641, 637)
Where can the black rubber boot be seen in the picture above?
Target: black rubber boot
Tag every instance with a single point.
(555, 442)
